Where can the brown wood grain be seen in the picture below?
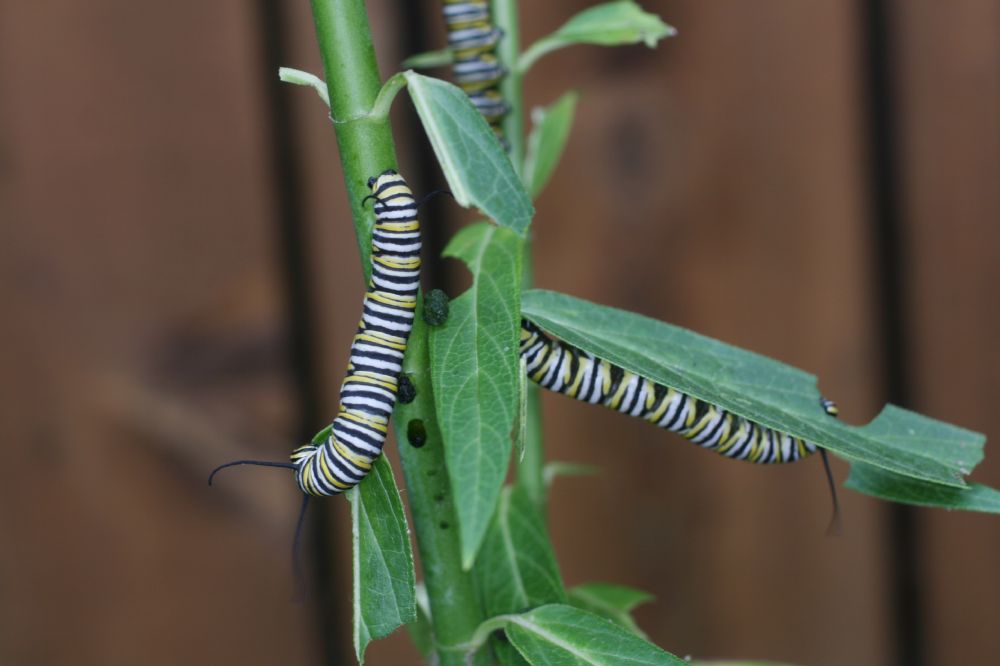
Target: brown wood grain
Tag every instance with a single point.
(950, 94)
(714, 182)
(142, 323)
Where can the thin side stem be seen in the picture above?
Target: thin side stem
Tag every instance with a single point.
(366, 149)
(505, 17)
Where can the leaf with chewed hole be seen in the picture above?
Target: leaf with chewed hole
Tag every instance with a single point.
(883, 484)
(758, 388)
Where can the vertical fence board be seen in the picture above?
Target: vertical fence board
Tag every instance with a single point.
(142, 323)
(948, 64)
(143, 336)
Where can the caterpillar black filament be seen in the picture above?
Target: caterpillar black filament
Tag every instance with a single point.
(477, 71)
(368, 394)
(565, 369)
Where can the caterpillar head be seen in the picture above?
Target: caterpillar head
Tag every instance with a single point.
(384, 178)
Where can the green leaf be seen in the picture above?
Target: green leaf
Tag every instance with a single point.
(429, 59)
(558, 635)
(517, 567)
(547, 141)
(871, 480)
(384, 596)
(615, 602)
(608, 24)
(758, 388)
(476, 166)
(300, 78)
(506, 653)
(474, 370)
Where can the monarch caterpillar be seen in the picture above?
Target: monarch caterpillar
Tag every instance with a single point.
(477, 71)
(368, 393)
(565, 369)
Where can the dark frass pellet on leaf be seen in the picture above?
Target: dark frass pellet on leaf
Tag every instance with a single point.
(435, 307)
(416, 434)
(407, 392)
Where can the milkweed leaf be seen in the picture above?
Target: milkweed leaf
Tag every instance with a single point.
(384, 582)
(474, 370)
(477, 168)
(517, 568)
(608, 24)
(758, 388)
(883, 484)
(558, 634)
(547, 141)
(614, 602)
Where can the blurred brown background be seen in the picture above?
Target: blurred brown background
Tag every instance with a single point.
(179, 285)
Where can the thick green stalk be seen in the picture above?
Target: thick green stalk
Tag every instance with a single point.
(455, 611)
(366, 149)
(353, 82)
(505, 16)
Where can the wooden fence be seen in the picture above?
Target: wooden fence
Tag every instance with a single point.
(179, 285)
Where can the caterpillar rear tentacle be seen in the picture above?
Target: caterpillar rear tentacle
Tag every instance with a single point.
(566, 369)
(830, 407)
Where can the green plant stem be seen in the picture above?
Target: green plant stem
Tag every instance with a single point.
(531, 469)
(353, 84)
(366, 149)
(455, 611)
(505, 16)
